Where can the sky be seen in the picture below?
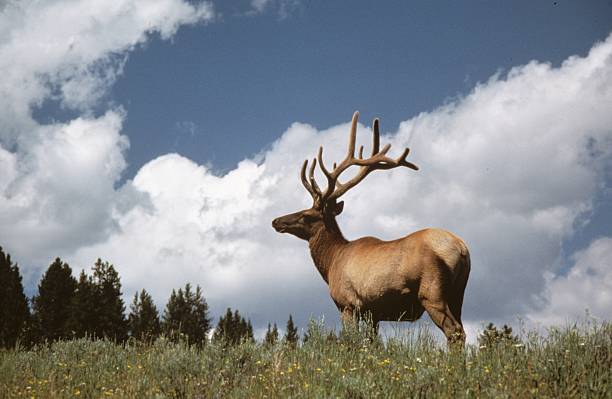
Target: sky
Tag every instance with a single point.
(165, 135)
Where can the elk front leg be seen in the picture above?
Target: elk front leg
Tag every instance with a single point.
(348, 317)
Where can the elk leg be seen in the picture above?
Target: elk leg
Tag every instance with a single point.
(443, 318)
(456, 302)
(348, 317)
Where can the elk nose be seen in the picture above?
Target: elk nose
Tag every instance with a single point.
(278, 225)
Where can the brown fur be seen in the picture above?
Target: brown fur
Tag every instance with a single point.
(388, 280)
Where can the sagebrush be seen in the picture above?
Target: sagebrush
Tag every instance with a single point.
(566, 362)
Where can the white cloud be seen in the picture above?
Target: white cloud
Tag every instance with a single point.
(60, 194)
(260, 5)
(72, 50)
(283, 7)
(510, 168)
(57, 181)
(586, 287)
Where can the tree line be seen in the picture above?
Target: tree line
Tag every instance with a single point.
(92, 306)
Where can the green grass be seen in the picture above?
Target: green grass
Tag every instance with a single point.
(567, 362)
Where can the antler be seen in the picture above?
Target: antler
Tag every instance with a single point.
(311, 185)
(377, 160)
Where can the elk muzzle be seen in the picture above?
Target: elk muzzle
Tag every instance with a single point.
(278, 225)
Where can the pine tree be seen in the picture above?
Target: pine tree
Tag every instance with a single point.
(143, 321)
(14, 311)
(186, 314)
(249, 332)
(51, 307)
(83, 318)
(111, 322)
(291, 336)
(271, 337)
(233, 328)
(97, 309)
(492, 337)
(225, 330)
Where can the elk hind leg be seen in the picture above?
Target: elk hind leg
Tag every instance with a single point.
(456, 302)
(442, 316)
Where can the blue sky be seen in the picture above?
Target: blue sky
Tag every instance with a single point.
(242, 90)
(239, 82)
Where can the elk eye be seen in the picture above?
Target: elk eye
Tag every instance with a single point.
(309, 218)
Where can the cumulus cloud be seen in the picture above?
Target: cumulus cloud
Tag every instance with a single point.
(72, 50)
(586, 287)
(510, 167)
(57, 180)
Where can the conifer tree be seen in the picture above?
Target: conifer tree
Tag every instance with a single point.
(271, 337)
(51, 307)
(233, 328)
(83, 308)
(97, 309)
(291, 336)
(143, 321)
(111, 322)
(492, 337)
(14, 309)
(186, 315)
(249, 332)
(226, 327)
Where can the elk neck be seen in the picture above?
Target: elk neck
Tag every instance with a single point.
(325, 244)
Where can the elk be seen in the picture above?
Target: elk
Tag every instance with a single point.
(388, 280)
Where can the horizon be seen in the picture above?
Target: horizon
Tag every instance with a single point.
(164, 137)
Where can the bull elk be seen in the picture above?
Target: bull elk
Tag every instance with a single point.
(388, 280)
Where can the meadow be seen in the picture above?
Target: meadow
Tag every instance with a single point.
(571, 361)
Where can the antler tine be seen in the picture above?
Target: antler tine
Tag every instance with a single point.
(313, 182)
(375, 137)
(305, 182)
(353, 135)
(401, 160)
(331, 180)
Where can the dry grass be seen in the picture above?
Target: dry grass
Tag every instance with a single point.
(567, 362)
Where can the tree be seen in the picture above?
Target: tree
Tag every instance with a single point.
(83, 316)
(97, 308)
(51, 307)
(225, 327)
(233, 328)
(111, 322)
(83, 309)
(271, 337)
(291, 336)
(492, 337)
(143, 321)
(14, 311)
(186, 314)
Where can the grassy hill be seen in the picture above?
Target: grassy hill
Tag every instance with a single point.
(567, 362)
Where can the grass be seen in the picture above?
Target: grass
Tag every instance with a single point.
(567, 362)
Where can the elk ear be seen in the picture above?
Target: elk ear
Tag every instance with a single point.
(339, 208)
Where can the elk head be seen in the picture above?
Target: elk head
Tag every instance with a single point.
(325, 207)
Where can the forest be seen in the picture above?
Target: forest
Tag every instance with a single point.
(92, 306)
